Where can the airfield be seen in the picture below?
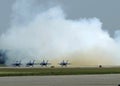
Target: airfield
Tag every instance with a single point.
(64, 80)
(49, 71)
(61, 76)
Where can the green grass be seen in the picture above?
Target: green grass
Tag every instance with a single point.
(56, 71)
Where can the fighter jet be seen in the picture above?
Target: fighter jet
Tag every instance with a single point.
(64, 63)
(44, 63)
(30, 64)
(17, 64)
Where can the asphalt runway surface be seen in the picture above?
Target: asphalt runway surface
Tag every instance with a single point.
(70, 80)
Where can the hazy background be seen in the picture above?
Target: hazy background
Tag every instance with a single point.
(55, 30)
(106, 10)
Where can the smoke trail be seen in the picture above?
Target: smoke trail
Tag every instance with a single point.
(49, 35)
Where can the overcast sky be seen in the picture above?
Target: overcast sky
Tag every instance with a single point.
(106, 10)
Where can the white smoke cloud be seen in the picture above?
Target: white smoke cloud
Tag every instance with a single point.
(49, 35)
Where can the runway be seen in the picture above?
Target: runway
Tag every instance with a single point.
(71, 80)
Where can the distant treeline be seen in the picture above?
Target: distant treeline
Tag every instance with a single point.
(3, 56)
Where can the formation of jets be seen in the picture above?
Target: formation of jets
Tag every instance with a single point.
(42, 64)
(17, 63)
(30, 64)
(64, 63)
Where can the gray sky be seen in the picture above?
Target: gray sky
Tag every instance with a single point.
(106, 10)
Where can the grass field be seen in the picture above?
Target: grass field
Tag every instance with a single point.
(56, 71)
